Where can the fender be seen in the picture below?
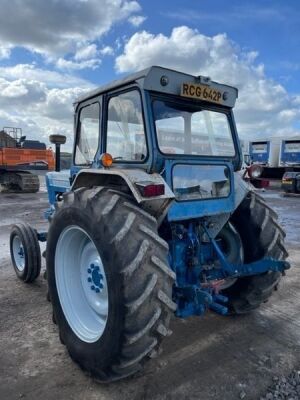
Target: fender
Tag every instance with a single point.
(241, 188)
(127, 179)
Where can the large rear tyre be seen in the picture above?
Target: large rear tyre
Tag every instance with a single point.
(262, 237)
(25, 252)
(109, 282)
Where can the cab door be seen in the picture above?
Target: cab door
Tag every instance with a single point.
(87, 134)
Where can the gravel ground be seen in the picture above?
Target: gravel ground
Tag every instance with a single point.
(284, 388)
(213, 357)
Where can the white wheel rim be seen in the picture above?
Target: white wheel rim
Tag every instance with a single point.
(81, 284)
(18, 253)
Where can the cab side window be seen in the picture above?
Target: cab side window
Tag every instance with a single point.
(125, 127)
(88, 134)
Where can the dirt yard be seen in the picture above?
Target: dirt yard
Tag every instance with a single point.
(206, 358)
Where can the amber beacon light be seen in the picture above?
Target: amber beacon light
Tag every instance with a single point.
(106, 159)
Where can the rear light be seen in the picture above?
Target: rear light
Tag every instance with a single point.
(149, 189)
(255, 171)
(287, 177)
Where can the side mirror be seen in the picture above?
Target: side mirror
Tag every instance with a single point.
(58, 140)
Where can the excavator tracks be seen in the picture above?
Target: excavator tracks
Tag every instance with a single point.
(24, 182)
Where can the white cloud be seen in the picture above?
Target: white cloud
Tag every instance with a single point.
(10, 90)
(288, 115)
(86, 56)
(107, 51)
(137, 20)
(86, 52)
(49, 77)
(54, 28)
(20, 93)
(35, 104)
(263, 108)
(59, 103)
(5, 51)
(93, 63)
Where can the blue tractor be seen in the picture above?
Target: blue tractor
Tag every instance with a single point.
(153, 220)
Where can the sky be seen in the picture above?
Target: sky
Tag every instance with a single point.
(53, 51)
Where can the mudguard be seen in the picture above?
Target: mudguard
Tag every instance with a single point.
(157, 206)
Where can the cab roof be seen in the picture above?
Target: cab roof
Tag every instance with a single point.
(151, 79)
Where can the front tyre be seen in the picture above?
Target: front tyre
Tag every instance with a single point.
(25, 252)
(109, 282)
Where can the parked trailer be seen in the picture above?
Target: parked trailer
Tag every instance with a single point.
(265, 152)
(290, 152)
(277, 156)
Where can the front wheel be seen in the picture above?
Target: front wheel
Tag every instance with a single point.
(109, 282)
(25, 252)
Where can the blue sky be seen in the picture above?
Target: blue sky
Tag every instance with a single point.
(54, 51)
(270, 27)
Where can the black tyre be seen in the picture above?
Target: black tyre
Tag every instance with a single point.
(25, 252)
(232, 247)
(262, 237)
(130, 270)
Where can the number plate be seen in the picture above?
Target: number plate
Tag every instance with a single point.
(201, 92)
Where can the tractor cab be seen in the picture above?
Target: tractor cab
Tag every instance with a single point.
(160, 122)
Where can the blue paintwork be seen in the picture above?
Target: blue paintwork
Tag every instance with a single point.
(74, 171)
(194, 290)
(262, 157)
(289, 157)
(21, 252)
(57, 183)
(197, 263)
(182, 210)
(42, 236)
(95, 278)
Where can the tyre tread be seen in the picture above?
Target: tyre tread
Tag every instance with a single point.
(146, 279)
(256, 218)
(32, 249)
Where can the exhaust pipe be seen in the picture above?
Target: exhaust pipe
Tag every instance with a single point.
(58, 140)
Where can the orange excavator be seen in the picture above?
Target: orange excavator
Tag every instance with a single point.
(19, 158)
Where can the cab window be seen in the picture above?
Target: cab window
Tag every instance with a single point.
(125, 139)
(189, 129)
(88, 134)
